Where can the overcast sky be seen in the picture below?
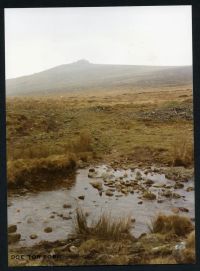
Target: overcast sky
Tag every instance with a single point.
(41, 38)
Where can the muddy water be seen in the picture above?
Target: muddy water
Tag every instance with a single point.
(33, 212)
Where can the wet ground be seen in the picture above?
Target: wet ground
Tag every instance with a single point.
(33, 212)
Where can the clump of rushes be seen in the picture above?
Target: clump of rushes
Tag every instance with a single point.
(178, 225)
(105, 227)
(183, 153)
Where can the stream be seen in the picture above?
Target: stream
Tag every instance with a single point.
(33, 212)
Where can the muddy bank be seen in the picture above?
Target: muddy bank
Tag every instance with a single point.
(31, 174)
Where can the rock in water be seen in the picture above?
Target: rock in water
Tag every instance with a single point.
(81, 197)
(66, 206)
(48, 230)
(109, 193)
(33, 236)
(97, 184)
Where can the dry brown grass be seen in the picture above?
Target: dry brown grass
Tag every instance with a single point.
(183, 153)
(105, 227)
(163, 260)
(83, 143)
(33, 170)
(188, 255)
(178, 225)
(190, 243)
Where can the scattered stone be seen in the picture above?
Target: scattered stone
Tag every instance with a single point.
(81, 197)
(67, 205)
(149, 195)
(109, 193)
(97, 184)
(124, 191)
(160, 201)
(33, 236)
(12, 228)
(167, 194)
(91, 170)
(183, 209)
(176, 196)
(48, 230)
(190, 188)
(178, 186)
(140, 202)
(149, 182)
(52, 216)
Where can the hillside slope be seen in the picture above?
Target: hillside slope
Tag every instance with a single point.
(83, 75)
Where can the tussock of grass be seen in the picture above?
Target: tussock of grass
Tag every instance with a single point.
(178, 225)
(33, 170)
(105, 227)
(189, 253)
(183, 153)
(190, 243)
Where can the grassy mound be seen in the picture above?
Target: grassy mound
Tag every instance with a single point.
(178, 225)
(36, 170)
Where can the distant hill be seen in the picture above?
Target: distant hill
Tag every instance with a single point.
(83, 75)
